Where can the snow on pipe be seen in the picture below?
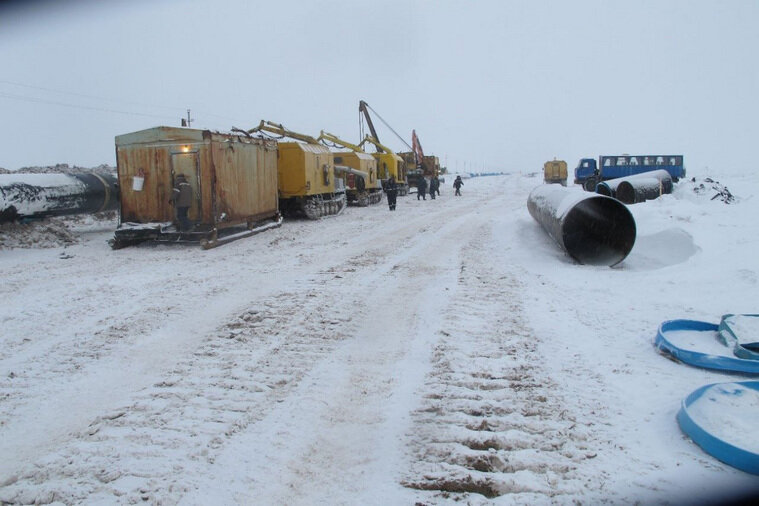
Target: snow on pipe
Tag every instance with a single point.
(593, 229)
(610, 186)
(24, 196)
(641, 189)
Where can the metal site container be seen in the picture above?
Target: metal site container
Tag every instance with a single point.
(304, 170)
(233, 180)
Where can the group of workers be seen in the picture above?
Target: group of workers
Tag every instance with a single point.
(391, 189)
(421, 188)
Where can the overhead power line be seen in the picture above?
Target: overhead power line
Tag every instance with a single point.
(178, 110)
(77, 106)
(84, 95)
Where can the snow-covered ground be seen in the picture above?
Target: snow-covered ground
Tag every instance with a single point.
(447, 352)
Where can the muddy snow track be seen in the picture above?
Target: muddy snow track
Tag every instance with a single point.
(316, 353)
(490, 423)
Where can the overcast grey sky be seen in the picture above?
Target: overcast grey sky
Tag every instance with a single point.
(499, 85)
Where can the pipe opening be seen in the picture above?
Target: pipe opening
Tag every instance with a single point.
(598, 231)
(603, 189)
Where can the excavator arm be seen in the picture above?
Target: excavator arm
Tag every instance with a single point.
(326, 137)
(380, 147)
(278, 129)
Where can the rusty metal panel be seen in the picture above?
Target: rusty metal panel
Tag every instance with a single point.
(246, 178)
(146, 200)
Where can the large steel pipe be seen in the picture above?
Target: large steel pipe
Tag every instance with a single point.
(610, 186)
(40, 195)
(593, 229)
(640, 189)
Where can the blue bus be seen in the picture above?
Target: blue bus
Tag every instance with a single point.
(589, 173)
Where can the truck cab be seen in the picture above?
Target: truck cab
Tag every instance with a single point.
(585, 169)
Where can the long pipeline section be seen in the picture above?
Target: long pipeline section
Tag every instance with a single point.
(34, 196)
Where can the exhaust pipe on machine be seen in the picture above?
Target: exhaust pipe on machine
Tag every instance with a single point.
(592, 229)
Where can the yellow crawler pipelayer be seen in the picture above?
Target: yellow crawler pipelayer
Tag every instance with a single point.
(306, 173)
(362, 190)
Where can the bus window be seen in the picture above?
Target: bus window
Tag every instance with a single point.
(647, 160)
(607, 162)
(621, 160)
(672, 161)
(634, 160)
(678, 160)
(659, 160)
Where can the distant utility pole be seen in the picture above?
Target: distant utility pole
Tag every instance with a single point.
(187, 122)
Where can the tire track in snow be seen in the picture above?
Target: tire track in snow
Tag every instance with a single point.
(140, 451)
(155, 445)
(492, 422)
(145, 451)
(359, 397)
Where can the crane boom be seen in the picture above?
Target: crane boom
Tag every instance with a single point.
(326, 136)
(278, 129)
(380, 148)
(363, 108)
(417, 149)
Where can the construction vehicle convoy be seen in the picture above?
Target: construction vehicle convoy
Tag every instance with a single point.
(183, 184)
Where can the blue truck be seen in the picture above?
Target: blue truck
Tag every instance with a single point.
(590, 172)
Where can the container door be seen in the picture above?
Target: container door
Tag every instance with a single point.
(187, 164)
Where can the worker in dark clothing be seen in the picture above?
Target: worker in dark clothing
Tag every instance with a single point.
(434, 187)
(458, 183)
(181, 198)
(437, 185)
(391, 189)
(421, 189)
